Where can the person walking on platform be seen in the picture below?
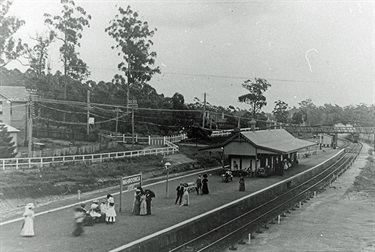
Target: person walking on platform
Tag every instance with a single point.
(199, 185)
(79, 216)
(242, 184)
(180, 192)
(185, 198)
(28, 222)
(205, 184)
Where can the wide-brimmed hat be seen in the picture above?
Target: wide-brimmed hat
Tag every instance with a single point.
(95, 201)
(29, 206)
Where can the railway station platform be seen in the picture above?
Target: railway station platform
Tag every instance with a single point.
(54, 222)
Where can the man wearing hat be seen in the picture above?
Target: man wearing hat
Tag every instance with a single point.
(180, 191)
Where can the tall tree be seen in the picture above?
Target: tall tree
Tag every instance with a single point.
(281, 111)
(255, 97)
(7, 146)
(10, 48)
(313, 117)
(133, 39)
(68, 29)
(38, 55)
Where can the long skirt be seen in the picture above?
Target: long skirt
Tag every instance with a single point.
(205, 189)
(78, 229)
(242, 186)
(143, 208)
(148, 206)
(28, 227)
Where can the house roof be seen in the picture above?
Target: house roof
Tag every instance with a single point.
(276, 140)
(14, 93)
(9, 128)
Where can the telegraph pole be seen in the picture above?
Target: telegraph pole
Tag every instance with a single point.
(30, 127)
(117, 110)
(88, 113)
(133, 123)
(204, 109)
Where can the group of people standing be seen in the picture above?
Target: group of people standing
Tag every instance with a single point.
(142, 202)
(201, 187)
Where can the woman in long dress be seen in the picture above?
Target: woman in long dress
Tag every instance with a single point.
(28, 222)
(242, 184)
(143, 205)
(185, 198)
(137, 202)
(205, 184)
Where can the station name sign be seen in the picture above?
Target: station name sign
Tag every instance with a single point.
(131, 180)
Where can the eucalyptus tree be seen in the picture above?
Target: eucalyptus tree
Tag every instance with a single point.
(255, 97)
(38, 54)
(68, 28)
(281, 111)
(10, 48)
(134, 43)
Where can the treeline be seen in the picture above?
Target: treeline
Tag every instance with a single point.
(63, 96)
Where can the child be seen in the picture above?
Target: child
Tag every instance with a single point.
(111, 213)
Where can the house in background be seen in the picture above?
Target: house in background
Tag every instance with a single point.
(250, 150)
(13, 101)
(13, 133)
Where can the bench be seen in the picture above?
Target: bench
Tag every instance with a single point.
(190, 186)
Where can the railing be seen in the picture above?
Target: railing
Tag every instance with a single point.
(149, 140)
(26, 163)
(227, 132)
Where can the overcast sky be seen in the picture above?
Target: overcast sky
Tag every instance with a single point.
(305, 49)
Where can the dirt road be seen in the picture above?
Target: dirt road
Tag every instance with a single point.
(342, 218)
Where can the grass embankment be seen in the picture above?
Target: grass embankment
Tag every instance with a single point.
(67, 179)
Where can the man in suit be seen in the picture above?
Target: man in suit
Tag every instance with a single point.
(180, 192)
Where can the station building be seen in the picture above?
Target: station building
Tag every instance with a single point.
(276, 149)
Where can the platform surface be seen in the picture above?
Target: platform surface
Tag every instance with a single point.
(53, 229)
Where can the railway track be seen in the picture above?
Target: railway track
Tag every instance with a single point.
(259, 217)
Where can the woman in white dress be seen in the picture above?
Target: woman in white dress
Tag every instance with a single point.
(185, 198)
(111, 213)
(28, 222)
(143, 205)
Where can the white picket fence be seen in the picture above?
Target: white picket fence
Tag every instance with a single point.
(37, 162)
(226, 132)
(148, 140)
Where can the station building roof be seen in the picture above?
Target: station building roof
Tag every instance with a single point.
(278, 141)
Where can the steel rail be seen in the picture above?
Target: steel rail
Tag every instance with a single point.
(270, 214)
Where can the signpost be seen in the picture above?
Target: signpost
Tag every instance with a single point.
(131, 182)
(167, 164)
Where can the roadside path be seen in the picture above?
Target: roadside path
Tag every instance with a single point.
(338, 219)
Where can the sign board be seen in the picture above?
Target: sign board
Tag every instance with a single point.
(91, 120)
(130, 182)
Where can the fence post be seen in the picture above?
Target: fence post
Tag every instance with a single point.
(41, 162)
(163, 140)
(149, 140)
(123, 138)
(3, 164)
(136, 138)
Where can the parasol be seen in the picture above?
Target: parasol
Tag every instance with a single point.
(152, 194)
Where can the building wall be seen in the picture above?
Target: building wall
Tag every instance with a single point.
(239, 148)
(13, 113)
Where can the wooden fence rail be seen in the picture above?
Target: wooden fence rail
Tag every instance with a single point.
(37, 162)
